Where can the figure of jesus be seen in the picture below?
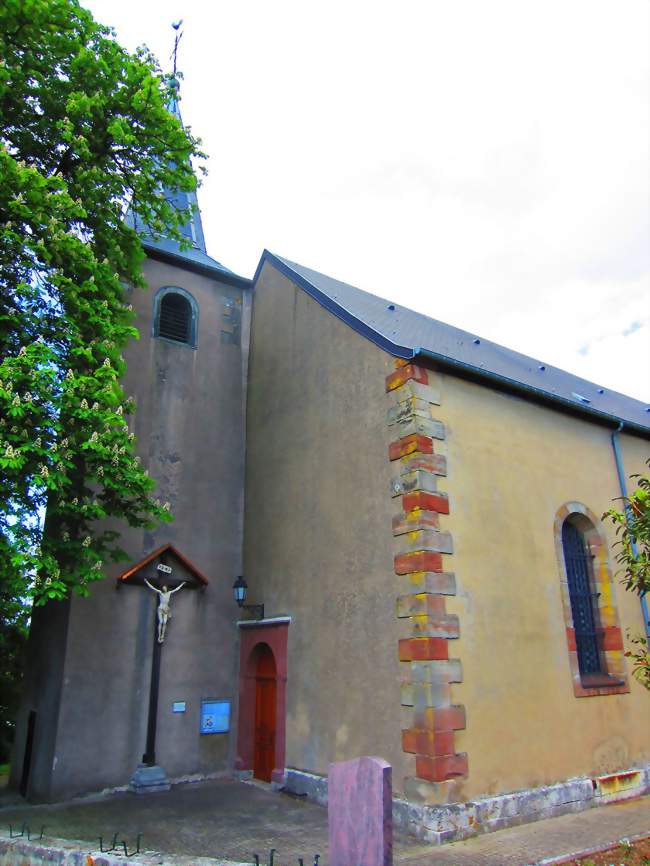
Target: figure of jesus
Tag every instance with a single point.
(164, 613)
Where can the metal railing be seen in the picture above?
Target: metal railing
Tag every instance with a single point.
(271, 860)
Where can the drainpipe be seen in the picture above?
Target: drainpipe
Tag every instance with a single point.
(623, 485)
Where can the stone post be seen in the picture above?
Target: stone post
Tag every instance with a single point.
(360, 804)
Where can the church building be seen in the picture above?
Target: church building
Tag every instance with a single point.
(387, 541)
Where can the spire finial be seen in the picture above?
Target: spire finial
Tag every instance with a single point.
(177, 39)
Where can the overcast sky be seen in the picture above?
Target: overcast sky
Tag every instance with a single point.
(485, 163)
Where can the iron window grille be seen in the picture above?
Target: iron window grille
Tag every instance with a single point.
(583, 599)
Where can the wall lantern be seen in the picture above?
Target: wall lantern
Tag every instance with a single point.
(240, 589)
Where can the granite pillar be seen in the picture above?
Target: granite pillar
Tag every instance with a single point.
(359, 810)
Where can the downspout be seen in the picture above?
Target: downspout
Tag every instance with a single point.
(623, 485)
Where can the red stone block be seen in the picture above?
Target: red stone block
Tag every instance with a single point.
(422, 649)
(440, 719)
(410, 444)
(434, 743)
(441, 767)
(429, 648)
(610, 638)
(450, 718)
(426, 501)
(428, 742)
(410, 371)
(421, 560)
(409, 738)
(405, 651)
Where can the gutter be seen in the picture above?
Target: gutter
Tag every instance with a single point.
(618, 457)
(529, 390)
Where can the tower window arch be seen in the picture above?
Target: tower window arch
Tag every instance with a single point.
(176, 316)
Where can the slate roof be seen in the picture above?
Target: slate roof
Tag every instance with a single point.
(192, 256)
(407, 334)
(169, 249)
(195, 256)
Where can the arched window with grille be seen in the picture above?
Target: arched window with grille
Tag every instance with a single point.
(583, 598)
(593, 632)
(175, 316)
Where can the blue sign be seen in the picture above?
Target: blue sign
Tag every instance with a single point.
(215, 717)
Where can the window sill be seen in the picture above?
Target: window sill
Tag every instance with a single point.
(600, 681)
(171, 342)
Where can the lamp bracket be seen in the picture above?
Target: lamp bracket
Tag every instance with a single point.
(256, 609)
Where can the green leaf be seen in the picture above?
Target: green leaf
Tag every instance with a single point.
(83, 130)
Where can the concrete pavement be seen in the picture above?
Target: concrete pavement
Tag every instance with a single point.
(234, 821)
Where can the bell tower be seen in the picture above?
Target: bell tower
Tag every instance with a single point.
(85, 717)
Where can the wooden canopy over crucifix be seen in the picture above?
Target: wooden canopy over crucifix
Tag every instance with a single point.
(164, 555)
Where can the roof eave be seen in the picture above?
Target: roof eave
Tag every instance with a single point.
(461, 367)
(529, 390)
(336, 309)
(178, 259)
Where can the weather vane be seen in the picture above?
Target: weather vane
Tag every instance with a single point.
(179, 36)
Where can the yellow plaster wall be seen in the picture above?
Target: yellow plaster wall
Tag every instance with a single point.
(318, 546)
(511, 465)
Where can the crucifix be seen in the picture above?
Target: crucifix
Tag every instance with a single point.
(155, 572)
(163, 615)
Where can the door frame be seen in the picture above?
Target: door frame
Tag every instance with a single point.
(275, 634)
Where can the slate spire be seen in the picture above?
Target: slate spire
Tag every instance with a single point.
(192, 229)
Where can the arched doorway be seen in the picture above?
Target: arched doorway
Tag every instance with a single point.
(261, 727)
(265, 713)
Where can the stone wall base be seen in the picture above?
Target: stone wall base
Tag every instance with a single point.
(175, 780)
(305, 784)
(454, 821)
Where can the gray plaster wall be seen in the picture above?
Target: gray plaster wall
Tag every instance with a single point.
(318, 540)
(189, 429)
(44, 666)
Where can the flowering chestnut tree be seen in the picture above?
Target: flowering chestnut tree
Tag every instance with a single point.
(83, 130)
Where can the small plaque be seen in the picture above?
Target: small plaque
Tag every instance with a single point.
(178, 707)
(167, 569)
(215, 717)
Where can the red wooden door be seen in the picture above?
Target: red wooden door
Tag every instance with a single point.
(265, 703)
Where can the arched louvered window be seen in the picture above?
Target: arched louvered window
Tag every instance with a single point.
(583, 598)
(175, 316)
